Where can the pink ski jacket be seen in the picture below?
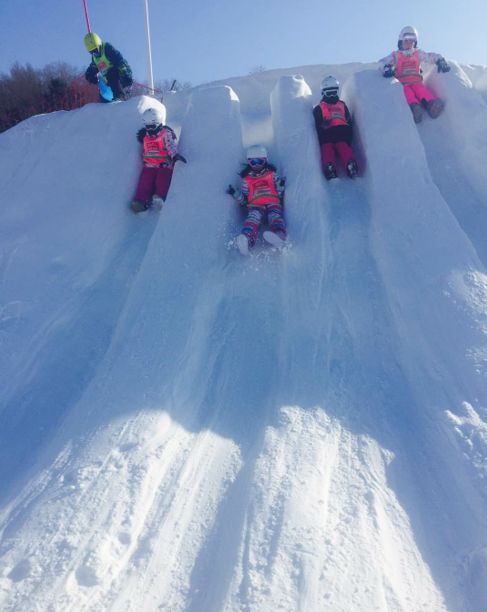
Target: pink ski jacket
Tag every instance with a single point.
(261, 189)
(159, 149)
(407, 66)
(334, 114)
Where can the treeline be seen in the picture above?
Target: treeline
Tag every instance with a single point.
(27, 91)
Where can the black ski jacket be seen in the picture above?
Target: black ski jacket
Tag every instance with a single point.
(117, 60)
(336, 133)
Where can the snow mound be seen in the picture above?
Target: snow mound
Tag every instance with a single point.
(185, 429)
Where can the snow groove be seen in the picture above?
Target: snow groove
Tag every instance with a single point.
(300, 430)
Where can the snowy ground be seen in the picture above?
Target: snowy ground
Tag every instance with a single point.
(184, 429)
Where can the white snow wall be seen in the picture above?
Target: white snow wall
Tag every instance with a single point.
(428, 265)
(68, 250)
(254, 430)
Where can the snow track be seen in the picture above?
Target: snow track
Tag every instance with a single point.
(302, 430)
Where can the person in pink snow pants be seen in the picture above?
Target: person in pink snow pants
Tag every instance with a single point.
(405, 65)
(159, 156)
(334, 129)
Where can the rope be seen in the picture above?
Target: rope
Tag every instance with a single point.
(155, 90)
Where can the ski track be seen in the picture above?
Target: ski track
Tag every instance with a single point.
(184, 479)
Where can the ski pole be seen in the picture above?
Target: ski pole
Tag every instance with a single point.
(86, 16)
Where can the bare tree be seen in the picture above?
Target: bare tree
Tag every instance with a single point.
(27, 91)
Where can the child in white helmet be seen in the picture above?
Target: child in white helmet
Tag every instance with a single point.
(159, 155)
(262, 192)
(334, 128)
(405, 65)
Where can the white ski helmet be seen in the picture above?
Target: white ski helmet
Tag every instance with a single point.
(329, 86)
(408, 33)
(256, 152)
(154, 116)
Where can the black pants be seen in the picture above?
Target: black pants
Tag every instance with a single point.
(117, 82)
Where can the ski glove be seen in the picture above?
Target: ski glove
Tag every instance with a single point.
(388, 71)
(442, 65)
(230, 190)
(282, 181)
(179, 157)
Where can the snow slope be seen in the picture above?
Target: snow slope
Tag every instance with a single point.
(184, 429)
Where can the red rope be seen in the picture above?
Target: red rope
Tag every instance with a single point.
(86, 16)
(147, 87)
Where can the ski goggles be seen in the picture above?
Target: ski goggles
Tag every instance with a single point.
(257, 161)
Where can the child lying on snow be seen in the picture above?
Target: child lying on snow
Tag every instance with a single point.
(405, 65)
(262, 193)
(159, 155)
(334, 128)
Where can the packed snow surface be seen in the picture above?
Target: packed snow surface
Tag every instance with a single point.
(184, 429)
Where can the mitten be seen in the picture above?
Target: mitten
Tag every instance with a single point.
(442, 65)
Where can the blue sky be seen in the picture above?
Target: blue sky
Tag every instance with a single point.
(204, 41)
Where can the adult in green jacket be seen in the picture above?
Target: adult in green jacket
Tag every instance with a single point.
(109, 63)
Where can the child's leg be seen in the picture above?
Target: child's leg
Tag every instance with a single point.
(421, 92)
(145, 187)
(410, 95)
(163, 182)
(276, 220)
(347, 156)
(414, 102)
(252, 223)
(345, 152)
(327, 154)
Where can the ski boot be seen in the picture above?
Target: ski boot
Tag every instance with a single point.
(157, 202)
(352, 168)
(435, 107)
(275, 240)
(138, 206)
(417, 112)
(242, 243)
(330, 172)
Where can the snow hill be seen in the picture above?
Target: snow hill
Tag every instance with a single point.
(185, 429)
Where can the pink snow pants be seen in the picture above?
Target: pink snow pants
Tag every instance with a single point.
(417, 92)
(329, 150)
(153, 181)
(257, 215)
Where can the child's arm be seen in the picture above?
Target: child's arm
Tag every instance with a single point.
(319, 120)
(171, 142)
(434, 58)
(280, 183)
(91, 73)
(140, 134)
(348, 116)
(428, 58)
(240, 195)
(386, 64)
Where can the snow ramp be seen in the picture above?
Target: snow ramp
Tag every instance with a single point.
(301, 430)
